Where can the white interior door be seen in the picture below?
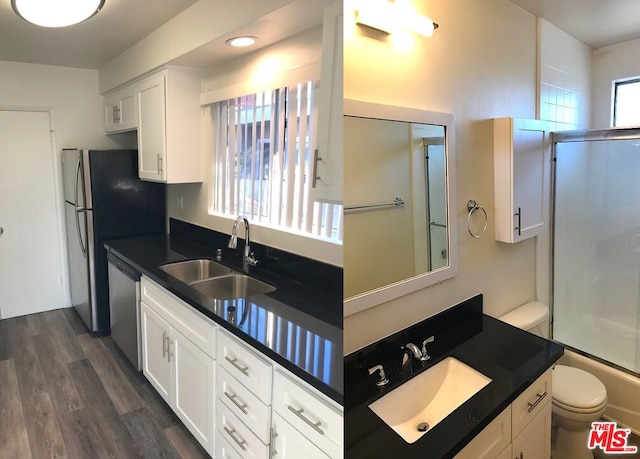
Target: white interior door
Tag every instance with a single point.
(30, 251)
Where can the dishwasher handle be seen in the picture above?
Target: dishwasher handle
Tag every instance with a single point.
(123, 267)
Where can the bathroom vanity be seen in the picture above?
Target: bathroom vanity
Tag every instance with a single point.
(247, 375)
(495, 419)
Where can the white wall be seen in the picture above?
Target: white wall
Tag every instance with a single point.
(71, 93)
(480, 64)
(611, 63)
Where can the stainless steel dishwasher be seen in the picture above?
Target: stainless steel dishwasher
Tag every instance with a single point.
(124, 305)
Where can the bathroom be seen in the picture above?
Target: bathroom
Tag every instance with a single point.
(482, 63)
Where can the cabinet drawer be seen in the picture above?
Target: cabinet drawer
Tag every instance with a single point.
(247, 367)
(289, 443)
(249, 409)
(243, 441)
(531, 402)
(309, 414)
(224, 450)
(193, 325)
(491, 441)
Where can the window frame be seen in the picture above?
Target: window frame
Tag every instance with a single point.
(616, 85)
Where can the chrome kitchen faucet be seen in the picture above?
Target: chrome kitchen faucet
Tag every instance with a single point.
(248, 257)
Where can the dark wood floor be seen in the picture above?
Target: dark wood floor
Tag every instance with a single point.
(66, 394)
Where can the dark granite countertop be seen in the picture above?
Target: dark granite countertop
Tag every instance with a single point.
(511, 357)
(294, 325)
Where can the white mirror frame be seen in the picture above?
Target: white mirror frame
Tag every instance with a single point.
(395, 290)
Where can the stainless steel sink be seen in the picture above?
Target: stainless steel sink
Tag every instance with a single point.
(231, 287)
(195, 270)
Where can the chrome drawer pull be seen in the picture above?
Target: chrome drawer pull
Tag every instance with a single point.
(532, 406)
(314, 425)
(235, 363)
(232, 434)
(165, 340)
(232, 397)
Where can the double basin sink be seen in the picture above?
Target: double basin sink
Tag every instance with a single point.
(214, 280)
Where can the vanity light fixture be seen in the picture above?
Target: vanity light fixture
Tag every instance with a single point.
(56, 13)
(390, 18)
(241, 42)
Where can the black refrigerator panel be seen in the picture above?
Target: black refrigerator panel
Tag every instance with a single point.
(123, 206)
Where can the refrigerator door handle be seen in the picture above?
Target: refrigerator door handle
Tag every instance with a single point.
(78, 211)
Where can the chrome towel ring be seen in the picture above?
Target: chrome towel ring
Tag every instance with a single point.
(473, 206)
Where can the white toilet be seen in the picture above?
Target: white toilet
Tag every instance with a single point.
(578, 397)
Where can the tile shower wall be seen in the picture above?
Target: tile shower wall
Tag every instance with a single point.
(565, 78)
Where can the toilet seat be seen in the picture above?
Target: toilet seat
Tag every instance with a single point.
(577, 391)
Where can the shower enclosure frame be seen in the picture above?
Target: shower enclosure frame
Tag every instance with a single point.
(586, 135)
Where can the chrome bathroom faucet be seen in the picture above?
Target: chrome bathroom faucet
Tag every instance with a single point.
(420, 354)
(248, 257)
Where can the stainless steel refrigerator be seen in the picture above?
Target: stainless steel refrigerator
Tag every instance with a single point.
(104, 200)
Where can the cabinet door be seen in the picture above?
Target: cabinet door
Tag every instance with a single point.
(127, 102)
(287, 442)
(329, 165)
(522, 171)
(111, 108)
(151, 102)
(493, 439)
(155, 343)
(194, 388)
(535, 440)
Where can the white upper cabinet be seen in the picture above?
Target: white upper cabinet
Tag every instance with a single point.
(328, 161)
(169, 126)
(120, 110)
(522, 168)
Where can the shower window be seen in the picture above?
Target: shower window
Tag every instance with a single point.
(626, 100)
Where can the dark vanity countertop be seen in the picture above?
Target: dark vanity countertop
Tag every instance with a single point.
(297, 327)
(512, 358)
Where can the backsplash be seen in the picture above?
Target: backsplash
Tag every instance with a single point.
(311, 273)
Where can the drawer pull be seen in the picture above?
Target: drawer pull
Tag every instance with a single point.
(232, 434)
(165, 342)
(235, 363)
(532, 406)
(314, 425)
(232, 397)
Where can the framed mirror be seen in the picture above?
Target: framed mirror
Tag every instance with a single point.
(399, 196)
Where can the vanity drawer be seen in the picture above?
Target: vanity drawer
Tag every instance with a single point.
(531, 402)
(224, 450)
(249, 409)
(243, 441)
(491, 441)
(193, 325)
(309, 414)
(251, 370)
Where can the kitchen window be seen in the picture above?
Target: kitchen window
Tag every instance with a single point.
(626, 99)
(263, 161)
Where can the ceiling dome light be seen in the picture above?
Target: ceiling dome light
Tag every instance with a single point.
(56, 13)
(241, 42)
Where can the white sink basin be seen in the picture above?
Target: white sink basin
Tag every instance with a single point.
(428, 398)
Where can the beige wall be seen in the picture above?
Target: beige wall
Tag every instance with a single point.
(480, 64)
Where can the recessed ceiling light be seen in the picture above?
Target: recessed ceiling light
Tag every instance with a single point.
(56, 13)
(241, 42)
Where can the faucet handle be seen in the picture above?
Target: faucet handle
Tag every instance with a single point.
(426, 356)
(382, 377)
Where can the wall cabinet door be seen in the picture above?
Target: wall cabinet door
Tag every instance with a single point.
(150, 99)
(193, 388)
(120, 110)
(522, 170)
(156, 333)
(328, 162)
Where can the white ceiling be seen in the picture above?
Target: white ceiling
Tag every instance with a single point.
(122, 23)
(597, 23)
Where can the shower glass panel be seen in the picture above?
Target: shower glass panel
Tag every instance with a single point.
(596, 259)
(435, 165)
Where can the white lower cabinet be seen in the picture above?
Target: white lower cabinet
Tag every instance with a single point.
(521, 431)
(288, 443)
(234, 400)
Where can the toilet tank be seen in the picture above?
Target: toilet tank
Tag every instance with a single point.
(532, 317)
